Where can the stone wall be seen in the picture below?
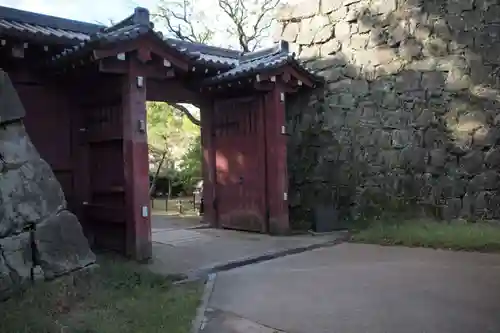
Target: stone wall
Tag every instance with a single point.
(36, 229)
(408, 119)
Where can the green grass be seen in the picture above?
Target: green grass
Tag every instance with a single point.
(417, 233)
(118, 297)
(158, 206)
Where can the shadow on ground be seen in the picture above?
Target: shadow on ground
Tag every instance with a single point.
(181, 248)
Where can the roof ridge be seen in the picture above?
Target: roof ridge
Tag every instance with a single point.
(207, 49)
(140, 17)
(44, 20)
(279, 47)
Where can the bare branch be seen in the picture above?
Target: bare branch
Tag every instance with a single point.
(248, 25)
(179, 19)
(248, 21)
(237, 13)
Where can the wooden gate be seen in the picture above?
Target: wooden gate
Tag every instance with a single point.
(101, 144)
(240, 163)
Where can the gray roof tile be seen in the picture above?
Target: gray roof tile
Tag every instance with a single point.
(81, 38)
(53, 29)
(260, 61)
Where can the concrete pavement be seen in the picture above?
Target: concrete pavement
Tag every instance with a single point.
(180, 249)
(354, 288)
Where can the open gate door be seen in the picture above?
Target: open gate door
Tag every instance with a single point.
(240, 162)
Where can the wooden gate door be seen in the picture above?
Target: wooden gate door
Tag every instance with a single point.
(239, 140)
(101, 142)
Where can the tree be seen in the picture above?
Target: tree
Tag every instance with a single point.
(245, 23)
(191, 164)
(181, 108)
(169, 137)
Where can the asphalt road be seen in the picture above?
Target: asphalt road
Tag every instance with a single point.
(354, 288)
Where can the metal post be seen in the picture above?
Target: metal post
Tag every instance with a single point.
(179, 203)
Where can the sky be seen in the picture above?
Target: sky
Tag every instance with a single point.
(95, 11)
(107, 11)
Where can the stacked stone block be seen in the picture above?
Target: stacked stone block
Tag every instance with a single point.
(36, 229)
(409, 116)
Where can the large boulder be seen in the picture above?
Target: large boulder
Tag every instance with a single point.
(61, 246)
(32, 201)
(29, 190)
(16, 262)
(11, 108)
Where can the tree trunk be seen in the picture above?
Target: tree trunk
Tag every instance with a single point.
(155, 177)
(169, 195)
(169, 189)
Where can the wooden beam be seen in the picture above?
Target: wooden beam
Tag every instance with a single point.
(144, 55)
(287, 73)
(144, 45)
(305, 79)
(174, 91)
(263, 85)
(115, 66)
(18, 51)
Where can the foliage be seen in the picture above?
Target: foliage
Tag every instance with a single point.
(243, 24)
(191, 164)
(458, 235)
(117, 297)
(172, 137)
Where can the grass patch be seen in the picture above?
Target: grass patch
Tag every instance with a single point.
(455, 236)
(117, 297)
(171, 207)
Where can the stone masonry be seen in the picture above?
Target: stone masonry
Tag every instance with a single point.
(35, 227)
(409, 116)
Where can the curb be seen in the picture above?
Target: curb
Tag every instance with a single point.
(199, 320)
(200, 273)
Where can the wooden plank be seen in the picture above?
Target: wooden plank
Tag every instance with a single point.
(240, 164)
(105, 213)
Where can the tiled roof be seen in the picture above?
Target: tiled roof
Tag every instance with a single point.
(139, 24)
(53, 29)
(210, 54)
(124, 33)
(259, 62)
(79, 38)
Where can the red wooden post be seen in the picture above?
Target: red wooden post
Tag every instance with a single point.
(135, 157)
(208, 164)
(81, 175)
(276, 150)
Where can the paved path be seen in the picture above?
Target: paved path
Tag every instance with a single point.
(178, 248)
(163, 221)
(353, 288)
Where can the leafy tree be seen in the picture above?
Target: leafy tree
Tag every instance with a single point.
(170, 135)
(191, 164)
(244, 24)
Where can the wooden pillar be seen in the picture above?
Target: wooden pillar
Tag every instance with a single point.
(276, 150)
(208, 163)
(80, 159)
(136, 165)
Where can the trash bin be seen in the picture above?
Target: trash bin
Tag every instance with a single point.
(326, 219)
